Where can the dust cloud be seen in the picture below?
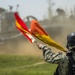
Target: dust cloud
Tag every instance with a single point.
(24, 47)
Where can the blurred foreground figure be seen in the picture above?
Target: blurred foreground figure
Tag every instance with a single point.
(66, 62)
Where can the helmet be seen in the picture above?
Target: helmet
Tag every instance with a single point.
(71, 41)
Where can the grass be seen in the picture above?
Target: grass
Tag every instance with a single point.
(15, 65)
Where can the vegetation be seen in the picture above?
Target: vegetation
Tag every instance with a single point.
(23, 65)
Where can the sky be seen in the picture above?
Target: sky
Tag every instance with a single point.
(36, 8)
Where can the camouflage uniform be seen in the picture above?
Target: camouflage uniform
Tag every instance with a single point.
(57, 58)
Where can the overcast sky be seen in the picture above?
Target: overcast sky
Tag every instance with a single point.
(37, 8)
